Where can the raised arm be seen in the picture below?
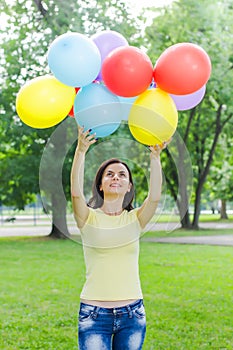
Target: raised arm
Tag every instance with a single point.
(148, 208)
(80, 208)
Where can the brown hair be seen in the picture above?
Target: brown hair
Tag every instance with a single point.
(97, 199)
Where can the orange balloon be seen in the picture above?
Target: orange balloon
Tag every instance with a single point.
(182, 69)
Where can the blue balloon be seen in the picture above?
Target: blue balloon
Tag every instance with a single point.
(96, 108)
(126, 104)
(74, 59)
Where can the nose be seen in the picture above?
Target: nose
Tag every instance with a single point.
(115, 177)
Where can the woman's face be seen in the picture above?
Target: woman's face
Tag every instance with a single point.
(115, 180)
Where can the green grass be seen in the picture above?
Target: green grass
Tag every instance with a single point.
(187, 292)
(214, 217)
(187, 233)
(202, 218)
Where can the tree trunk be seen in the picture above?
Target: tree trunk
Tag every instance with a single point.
(185, 221)
(204, 169)
(185, 182)
(197, 207)
(223, 209)
(53, 182)
(58, 199)
(59, 223)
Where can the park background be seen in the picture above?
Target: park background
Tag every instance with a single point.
(188, 291)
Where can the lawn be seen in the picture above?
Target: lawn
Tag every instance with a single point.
(187, 233)
(202, 218)
(187, 292)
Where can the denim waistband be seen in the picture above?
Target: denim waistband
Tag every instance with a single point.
(115, 310)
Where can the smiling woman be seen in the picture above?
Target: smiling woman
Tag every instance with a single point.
(111, 314)
(113, 179)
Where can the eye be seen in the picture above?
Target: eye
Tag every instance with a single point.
(109, 173)
(122, 175)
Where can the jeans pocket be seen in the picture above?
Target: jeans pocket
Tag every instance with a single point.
(139, 312)
(84, 315)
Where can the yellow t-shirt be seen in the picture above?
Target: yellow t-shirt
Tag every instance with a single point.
(111, 252)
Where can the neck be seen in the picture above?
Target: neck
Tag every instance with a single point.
(114, 208)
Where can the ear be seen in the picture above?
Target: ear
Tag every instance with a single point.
(101, 188)
(129, 187)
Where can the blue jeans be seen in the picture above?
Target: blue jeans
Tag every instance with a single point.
(120, 328)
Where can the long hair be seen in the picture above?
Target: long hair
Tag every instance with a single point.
(97, 199)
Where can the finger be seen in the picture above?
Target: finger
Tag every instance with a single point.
(87, 132)
(93, 141)
(82, 133)
(157, 147)
(166, 143)
(169, 141)
(90, 137)
(80, 129)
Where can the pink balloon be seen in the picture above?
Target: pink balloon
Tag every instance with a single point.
(189, 101)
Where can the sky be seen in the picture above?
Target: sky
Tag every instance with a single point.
(136, 5)
(139, 4)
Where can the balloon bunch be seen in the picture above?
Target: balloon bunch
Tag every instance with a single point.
(103, 80)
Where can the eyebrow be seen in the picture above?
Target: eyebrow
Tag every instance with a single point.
(121, 171)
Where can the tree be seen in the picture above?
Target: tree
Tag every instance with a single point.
(31, 26)
(220, 181)
(208, 25)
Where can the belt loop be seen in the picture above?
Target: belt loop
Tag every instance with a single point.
(129, 311)
(95, 312)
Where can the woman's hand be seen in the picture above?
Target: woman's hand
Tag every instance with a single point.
(157, 149)
(85, 139)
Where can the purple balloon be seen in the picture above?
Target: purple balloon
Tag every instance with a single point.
(185, 102)
(107, 41)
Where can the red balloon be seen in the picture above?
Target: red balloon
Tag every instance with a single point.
(182, 69)
(71, 112)
(127, 71)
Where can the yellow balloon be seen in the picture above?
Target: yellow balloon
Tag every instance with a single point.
(44, 102)
(153, 117)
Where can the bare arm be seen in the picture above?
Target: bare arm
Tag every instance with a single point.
(148, 208)
(80, 208)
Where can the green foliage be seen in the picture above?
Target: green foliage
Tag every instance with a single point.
(25, 37)
(30, 28)
(220, 183)
(207, 24)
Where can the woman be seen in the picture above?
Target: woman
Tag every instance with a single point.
(112, 314)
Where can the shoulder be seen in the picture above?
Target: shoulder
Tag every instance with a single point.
(94, 216)
(92, 213)
(131, 216)
(133, 213)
